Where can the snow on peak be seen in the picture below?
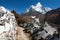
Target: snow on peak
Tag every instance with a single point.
(39, 8)
(38, 5)
(47, 9)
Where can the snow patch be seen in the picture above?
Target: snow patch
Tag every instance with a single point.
(33, 17)
(47, 9)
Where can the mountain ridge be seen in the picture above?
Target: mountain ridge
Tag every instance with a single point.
(36, 10)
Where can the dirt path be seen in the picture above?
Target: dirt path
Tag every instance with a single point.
(20, 35)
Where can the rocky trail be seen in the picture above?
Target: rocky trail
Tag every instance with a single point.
(20, 35)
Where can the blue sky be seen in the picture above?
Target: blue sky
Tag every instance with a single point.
(21, 5)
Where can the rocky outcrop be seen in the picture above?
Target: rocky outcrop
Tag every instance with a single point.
(7, 25)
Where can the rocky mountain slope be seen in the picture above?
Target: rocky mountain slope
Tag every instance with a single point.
(39, 28)
(7, 24)
(53, 16)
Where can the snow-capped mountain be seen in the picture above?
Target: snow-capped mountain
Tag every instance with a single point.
(7, 24)
(39, 8)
